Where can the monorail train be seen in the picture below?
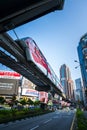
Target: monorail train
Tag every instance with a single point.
(33, 54)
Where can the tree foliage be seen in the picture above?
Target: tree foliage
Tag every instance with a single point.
(2, 100)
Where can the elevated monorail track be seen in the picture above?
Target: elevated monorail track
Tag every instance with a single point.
(14, 13)
(11, 46)
(17, 61)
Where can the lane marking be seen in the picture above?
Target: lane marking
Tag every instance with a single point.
(34, 127)
(47, 121)
(56, 117)
(72, 125)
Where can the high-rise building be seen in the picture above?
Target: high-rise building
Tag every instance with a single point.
(82, 54)
(70, 89)
(79, 90)
(63, 77)
(66, 81)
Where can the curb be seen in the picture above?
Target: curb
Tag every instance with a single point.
(73, 123)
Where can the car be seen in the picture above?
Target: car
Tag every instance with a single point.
(71, 108)
(54, 108)
(2, 108)
(60, 107)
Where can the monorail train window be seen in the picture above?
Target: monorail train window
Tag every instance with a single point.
(37, 51)
(35, 48)
(30, 44)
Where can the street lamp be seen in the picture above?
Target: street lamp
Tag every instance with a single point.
(77, 62)
(77, 66)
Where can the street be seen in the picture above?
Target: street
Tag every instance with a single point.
(58, 120)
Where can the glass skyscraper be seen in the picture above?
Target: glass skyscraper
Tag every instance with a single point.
(82, 54)
(66, 81)
(79, 90)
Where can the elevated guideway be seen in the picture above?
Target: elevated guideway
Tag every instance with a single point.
(14, 13)
(17, 61)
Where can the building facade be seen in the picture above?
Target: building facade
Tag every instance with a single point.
(79, 90)
(70, 89)
(66, 81)
(82, 54)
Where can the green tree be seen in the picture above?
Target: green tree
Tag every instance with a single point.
(23, 101)
(30, 102)
(37, 103)
(13, 100)
(2, 100)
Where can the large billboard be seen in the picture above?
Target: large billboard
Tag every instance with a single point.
(30, 92)
(43, 96)
(9, 75)
(26, 83)
(9, 82)
(8, 86)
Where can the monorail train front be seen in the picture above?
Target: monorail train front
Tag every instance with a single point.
(33, 54)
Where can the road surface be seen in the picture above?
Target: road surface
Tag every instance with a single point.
(58, 120)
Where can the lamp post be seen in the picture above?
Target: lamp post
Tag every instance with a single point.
(77, 66)
(77, 62)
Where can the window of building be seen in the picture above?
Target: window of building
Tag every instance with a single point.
(84, 43)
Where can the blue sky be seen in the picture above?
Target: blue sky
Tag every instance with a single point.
(57, 34)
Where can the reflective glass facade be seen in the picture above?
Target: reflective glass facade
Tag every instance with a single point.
(82, 54)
